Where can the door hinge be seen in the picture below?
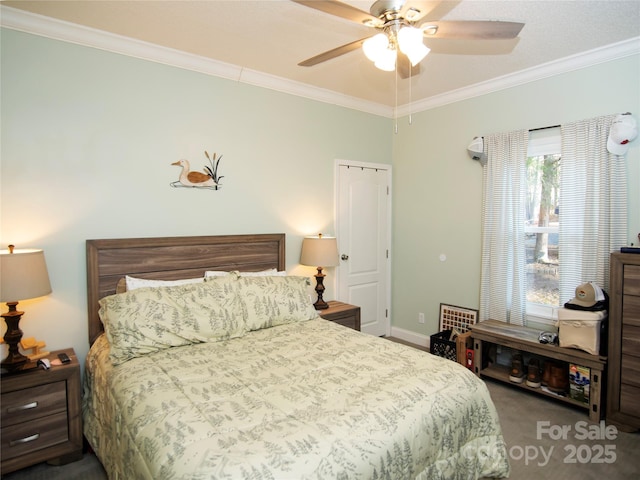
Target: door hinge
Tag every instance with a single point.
(387, 253)
(387, 189)
(386, 313)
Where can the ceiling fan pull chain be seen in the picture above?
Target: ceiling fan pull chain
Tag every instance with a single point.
(410, 94)
(395, 110)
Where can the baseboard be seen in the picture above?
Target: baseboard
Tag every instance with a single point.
(409, 336)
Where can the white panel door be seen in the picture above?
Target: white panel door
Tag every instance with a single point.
(363, 232)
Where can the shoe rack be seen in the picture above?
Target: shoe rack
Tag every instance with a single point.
(525, 340)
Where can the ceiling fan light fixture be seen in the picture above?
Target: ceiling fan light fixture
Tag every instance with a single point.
(417, 54)
(374, 47)
(410, 43)
(387, 60)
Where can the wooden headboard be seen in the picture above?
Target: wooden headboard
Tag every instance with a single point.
(173, 258)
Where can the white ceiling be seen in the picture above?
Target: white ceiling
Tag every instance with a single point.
(262, 41)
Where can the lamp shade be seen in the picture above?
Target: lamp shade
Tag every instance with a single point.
(387, 60)
(319, 251)
(23, 275)
(380, 52)
(374, 46)
(411, 44)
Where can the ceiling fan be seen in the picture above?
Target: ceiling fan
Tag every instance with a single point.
(402, 26)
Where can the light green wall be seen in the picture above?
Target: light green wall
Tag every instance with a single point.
(87, 142)
(438, 188)
(88, 138)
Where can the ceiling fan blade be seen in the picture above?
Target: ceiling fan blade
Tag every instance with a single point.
(405, 70)
(431, 9)
(472, 29)
(336, 52)
(461, 46)
(415, 10)
(339, 9)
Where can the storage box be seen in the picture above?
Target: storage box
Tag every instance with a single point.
(464, 342)
(579, 383)
(441, 346)
(580, 329)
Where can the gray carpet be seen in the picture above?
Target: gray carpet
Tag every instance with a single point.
(530, 421)
(519, 413)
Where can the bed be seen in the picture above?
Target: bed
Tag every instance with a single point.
(236, 377)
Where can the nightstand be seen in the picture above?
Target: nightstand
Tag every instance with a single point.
(41, 415)
(342, 313)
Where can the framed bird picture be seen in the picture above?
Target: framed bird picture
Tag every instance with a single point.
(208, 178)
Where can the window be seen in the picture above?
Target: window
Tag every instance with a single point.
(541, 224)
(584, 198)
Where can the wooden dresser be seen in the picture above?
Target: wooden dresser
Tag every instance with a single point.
(623, 392)
(41, 415)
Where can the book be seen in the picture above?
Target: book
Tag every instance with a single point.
(634, 249)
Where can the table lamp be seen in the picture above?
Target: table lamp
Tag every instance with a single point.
(320, 252)
(23, 275)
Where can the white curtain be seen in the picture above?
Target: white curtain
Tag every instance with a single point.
(593, 205)
(503, 293)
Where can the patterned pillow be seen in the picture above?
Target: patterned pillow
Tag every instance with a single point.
(275, 300)
(146, 320)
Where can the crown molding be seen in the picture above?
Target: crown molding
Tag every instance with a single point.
(35, 24)
(564, 65)
(259, 79)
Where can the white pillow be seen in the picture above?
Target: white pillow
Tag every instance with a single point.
(133, 282)
(264, 273)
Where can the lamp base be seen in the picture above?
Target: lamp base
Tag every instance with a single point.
(320, 304)
(14, 360)
(11, 363)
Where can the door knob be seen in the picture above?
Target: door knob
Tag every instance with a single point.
(344, 257)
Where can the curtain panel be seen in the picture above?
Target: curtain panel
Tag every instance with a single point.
(593, 205)
(503, 276)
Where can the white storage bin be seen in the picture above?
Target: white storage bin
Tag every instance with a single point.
(580, 329)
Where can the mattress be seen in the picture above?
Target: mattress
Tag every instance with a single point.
(304, 400)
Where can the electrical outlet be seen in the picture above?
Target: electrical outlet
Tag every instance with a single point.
(421, 317)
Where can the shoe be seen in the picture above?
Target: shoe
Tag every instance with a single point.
(533, 373)
(516, 375)
(559, 378)
(546, 373)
